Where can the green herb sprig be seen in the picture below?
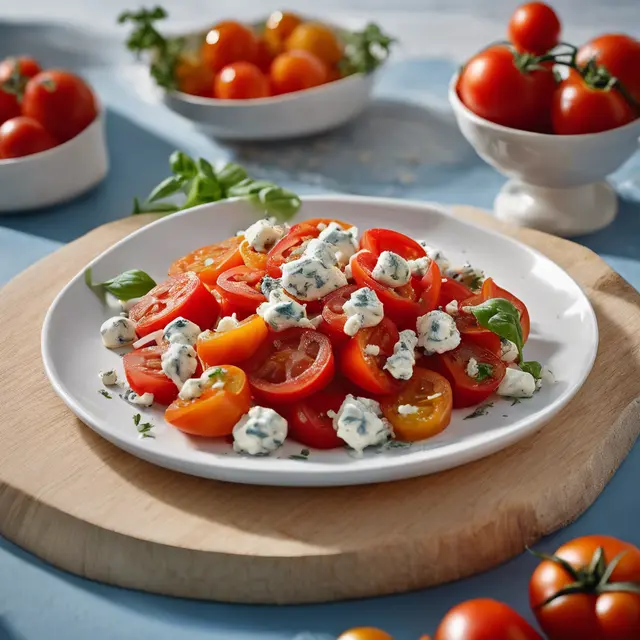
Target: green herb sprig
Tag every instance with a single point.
(126, 286)
(105, 393)
(365, 50)
(502, 318)
(484, 371)
(482, 410)
(143, 428)
(196, 182)
(303, 456)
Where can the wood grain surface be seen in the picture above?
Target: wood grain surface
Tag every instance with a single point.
(80, 503)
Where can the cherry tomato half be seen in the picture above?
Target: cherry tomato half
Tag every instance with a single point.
(534, 27)
(468, 391)
(290, 247)
(451, 290)
(491, 290)
(333, 315)
(471, 331)
(379, 240)
(291, 365)
(23, 136)
(216, 411)
(430, 286)
(252, 258)
(366, 370)
(210, 261)
(241, 286)
(143, 370)
(183, 295)
(431, 394)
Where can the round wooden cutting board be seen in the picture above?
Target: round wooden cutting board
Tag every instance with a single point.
(80, 503)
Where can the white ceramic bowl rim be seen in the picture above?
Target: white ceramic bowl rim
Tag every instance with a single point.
(32, 157)
(455, 101)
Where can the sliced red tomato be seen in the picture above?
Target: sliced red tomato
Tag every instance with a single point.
(183, 295)
(210, 261)
(366, 370)
(309, 423)
(227, 308)
(430, 285)
(491, 290)
(452, 290)
(143, 370)
(327, 221)
(241, 286)
(379, 240)
(333, 316)
(471, 331)
(290, 247)
(400, 304)
(291, 365)
(452, 365)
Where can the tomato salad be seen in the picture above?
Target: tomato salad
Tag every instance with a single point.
(313, 333)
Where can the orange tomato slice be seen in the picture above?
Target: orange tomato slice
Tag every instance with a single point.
(210, 261)
(251, 257)
(233, 346)
(216, 411)
(431, 394)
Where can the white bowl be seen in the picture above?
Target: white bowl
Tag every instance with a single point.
(556, 182)
(55, 175)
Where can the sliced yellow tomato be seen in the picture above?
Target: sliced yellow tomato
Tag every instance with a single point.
(251, 257)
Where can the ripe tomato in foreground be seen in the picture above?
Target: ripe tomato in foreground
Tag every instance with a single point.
(291, 366)
(217, 410)
(379, 240)
(23, 136)
(241, 287)
(602, 576)
(431, 394)
(365, 633)
(534, 27)
(182, 295)
(241, 81)
(61, 101)
(143, 370)
(485, 619)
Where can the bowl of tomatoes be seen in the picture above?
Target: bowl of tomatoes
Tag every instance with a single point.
(281, 77)
(554, 118)
(52, 144)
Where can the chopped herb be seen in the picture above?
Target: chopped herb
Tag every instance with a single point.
(482, 410)
(304, 455)
(392, 444)
(305, 452)
(105, 393)
(515, 402)
(218, 371)
(144, 428)
(136, 419)
(476, 282)
(484, 371)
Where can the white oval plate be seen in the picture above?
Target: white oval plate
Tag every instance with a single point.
(564, 335)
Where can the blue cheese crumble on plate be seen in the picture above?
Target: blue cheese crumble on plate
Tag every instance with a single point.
(181, 331)
(263, 234)
(344, 242)
(363, 309)
(281, 312)
(108, 378)
(400, 364)
(212, 378)
(118, 332)
(437, 332)
(517, 384)
(259, 432)
(391, 269)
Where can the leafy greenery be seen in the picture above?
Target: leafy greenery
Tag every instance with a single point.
(105, 393)
(198, 182)
(126, 286)
(143, 428)
(365, 50)
(484, 371)
(482, 410)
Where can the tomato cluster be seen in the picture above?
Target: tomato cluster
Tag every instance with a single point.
(305, 372)
(238, 62)
(588, 590)
(40, 109)
(536, 83)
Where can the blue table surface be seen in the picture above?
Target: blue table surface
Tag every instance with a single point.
(407, 146)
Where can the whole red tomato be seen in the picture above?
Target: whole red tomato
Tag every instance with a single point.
(9, 106)
(493, 87)
(579, 108)
(228, 42)
(619, 54)
(23, 136)
(241, 81)
(485, 619)
(61, 101)
(590, 590)
(534, 27)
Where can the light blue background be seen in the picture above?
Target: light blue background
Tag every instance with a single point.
(405, 146)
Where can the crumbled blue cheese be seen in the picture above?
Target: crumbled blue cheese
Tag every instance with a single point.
(108, 378)
(280, 312)
(259, 432)
(472, 368)
(407, 409)
(546, 377)
(117, 332)
(419, 266)
(360, 424)
(228, 323)
(400, 364)
(344, 242)
(437, 332)
(452, 309)
(363, 309)
(212, 378)
(508, 350)
(263, 234)
(391, 269)
(372, 350)
(467, 275)
(181, 331)
(517, 384)
(314, 275)
(179, 363)
(269, 284)
(144, 400)
(436, 255)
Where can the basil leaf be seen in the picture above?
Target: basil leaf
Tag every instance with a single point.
(202, 190)
(182, 165)
(205, 169)
(279, 202)
(166, 188)
(532, 367)
(231, 174)
(126, 286)
(248, 187)
(157, 207)
(502, 318)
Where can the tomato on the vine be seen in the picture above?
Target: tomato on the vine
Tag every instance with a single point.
(493, 87)
(590, 588)
(23, 136)
(534, 27)
(27, 67)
